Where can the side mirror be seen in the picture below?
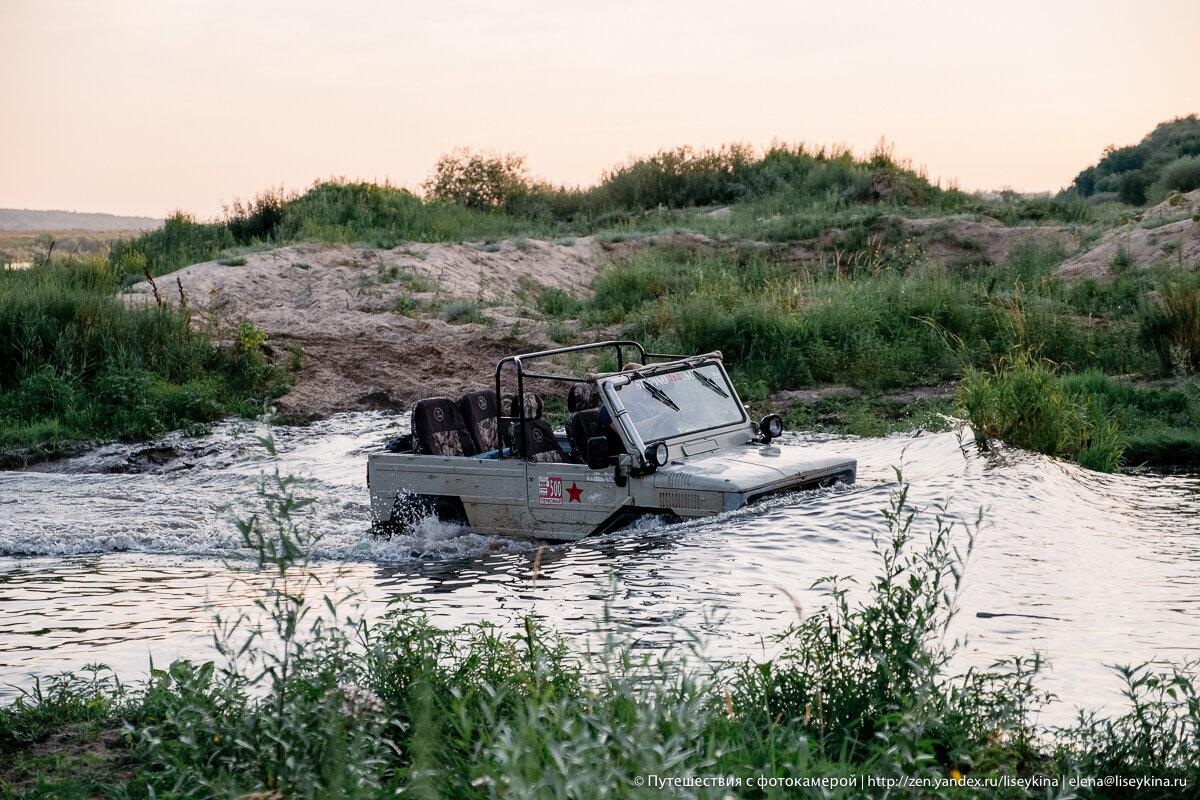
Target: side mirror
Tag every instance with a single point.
(597, 452)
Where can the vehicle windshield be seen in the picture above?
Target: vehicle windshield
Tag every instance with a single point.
(679, 403)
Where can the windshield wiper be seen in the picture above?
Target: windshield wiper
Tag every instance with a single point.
(710, 383)
(658, 394)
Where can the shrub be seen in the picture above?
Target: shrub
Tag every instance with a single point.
(478, 179)
(557, 304)
(1131, 171)
(179, 242)
(1174, 322)
(1181, 175)
(311, 700)
(1156, 738)
(257, 220)
(1132, 188)
(463, 311)
(76, 358)
(676, 178)
(1024, 403)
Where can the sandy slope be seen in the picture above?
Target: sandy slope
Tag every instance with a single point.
(344, 307)
(1167, 234)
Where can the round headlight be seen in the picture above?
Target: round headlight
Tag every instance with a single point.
(656, 454)
(771, 426)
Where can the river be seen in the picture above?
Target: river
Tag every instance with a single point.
(126, 553)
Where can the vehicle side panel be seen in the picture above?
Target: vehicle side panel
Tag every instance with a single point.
(518, 498)
(500, 484)
(572, 499)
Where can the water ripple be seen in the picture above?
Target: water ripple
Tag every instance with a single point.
(126, 553)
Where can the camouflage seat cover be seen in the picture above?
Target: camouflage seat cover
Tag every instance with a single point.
(581, 426)
(480, 411)
(539, 442)
(438, 429)
(533, 406)
(583, 396)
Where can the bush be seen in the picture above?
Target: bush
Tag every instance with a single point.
(676, 178)
(1181, 175)
(257, 220)
(179, 242)
(341, 211)
(1024, 403)
(1156, 738)
(463, 311)
(76, 358)
(1140, 172)
(557, 304)
(1132, 189)
(1171, 327)
(478, 179)
(312, 700)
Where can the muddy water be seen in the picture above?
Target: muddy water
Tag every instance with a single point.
(125, 555)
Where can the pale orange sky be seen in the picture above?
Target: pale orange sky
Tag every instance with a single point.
(147, 106)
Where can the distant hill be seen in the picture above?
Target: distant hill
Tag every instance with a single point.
(12, 219)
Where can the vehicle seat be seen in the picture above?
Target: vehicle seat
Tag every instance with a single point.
(438, 429)
(532, 402)
(583, 396)
(539, 443)
(581, 426)
(480, 411)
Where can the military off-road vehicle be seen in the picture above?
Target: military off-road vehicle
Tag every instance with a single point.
(658, 435)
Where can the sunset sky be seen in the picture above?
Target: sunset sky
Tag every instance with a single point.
(147, 106)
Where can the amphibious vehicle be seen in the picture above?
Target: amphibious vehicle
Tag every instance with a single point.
(654, 435)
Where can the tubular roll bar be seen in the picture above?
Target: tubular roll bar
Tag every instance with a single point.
(618, 345)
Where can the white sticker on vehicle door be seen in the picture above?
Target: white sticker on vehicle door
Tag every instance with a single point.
(550, 491)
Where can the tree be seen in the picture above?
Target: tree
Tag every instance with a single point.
(478, 179)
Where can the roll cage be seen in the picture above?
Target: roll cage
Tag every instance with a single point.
(519, 365)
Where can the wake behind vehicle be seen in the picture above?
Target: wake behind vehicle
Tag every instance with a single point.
(680, 446)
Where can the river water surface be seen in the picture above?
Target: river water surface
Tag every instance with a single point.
(117, 567)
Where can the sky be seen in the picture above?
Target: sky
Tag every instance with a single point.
(144, 107)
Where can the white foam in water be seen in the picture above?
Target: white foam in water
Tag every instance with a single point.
(429, 538)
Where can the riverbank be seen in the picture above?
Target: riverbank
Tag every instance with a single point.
(78, 364)
(806, 268)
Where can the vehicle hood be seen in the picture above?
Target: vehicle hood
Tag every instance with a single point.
(748, 468)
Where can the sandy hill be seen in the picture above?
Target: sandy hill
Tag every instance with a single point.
(1166, 234)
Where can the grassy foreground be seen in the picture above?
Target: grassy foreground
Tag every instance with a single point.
(858, 699)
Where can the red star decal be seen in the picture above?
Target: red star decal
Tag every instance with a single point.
(575, 493)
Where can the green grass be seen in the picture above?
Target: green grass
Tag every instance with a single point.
(1023, 402)
(870, 414)
(324, 703)
(898, 322)
(1161, 427)
(878, 329)
(788, 192)
(77, 362)
(462, 311)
